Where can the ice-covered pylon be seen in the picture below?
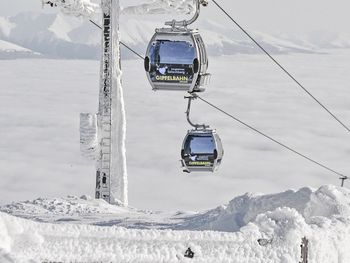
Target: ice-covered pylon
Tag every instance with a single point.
(161, 7)
(79, 8)
(111, 171)
(103, 134)
(86, 8)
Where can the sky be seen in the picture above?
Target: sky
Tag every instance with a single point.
(270, 16)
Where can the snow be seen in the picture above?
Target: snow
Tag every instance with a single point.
(63, 25)
(59, 35)
(88, 9)
(314, 206)
(10, 47)
(161, 7)
(71, 232)
(118, 168)
(78, 8)
(88, 136)
(9, 50)
(5, 26)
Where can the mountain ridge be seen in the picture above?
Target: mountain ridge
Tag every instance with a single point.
(55, 35)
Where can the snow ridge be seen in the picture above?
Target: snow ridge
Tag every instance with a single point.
(283, 219)
(57, 35)
(327, 202)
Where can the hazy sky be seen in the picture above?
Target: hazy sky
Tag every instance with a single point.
(267, 15)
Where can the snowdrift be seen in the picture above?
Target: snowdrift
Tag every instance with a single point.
(283, 219)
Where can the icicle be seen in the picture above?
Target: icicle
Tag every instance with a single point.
(119, 183)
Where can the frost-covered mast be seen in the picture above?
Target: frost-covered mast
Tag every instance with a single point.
(111, 173)
(103, 134)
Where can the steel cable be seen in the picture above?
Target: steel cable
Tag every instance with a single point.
(125, 45)
(342, 176)
(270, 138)
(281, 67)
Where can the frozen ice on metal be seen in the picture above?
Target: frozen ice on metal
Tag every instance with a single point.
(79, 8)
(162, 7)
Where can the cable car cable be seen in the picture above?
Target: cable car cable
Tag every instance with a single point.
(280, 66)
(133, 51)
(270, 138)
(245, 124)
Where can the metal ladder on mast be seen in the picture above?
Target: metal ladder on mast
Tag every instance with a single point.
(103, 171)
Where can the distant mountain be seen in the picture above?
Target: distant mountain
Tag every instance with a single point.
(60, 36)
(8, 49)
(47, 34)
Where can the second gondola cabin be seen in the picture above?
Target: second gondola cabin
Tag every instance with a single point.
(201, 151)
(176, 59)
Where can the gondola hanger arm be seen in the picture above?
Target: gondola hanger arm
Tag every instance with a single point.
(185, 23)
(196, 126)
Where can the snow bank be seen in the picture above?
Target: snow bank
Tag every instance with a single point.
(244, 209)
(23, 239)
(282, 219)
(57, 209)
(315, 207)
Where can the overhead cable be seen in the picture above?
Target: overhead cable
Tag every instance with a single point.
(281, 67)
(125, 45)
(270, 138)
(249, 126)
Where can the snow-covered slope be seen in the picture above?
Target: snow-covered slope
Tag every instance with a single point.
(327, 201)
(10, 47)
(24, 240)
(282, 219)
(48, 34)
(10, 50)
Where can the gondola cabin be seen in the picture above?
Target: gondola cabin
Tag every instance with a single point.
(176, 59)
(201, 151)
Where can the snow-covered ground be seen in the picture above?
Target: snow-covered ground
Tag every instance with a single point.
(130, 235)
